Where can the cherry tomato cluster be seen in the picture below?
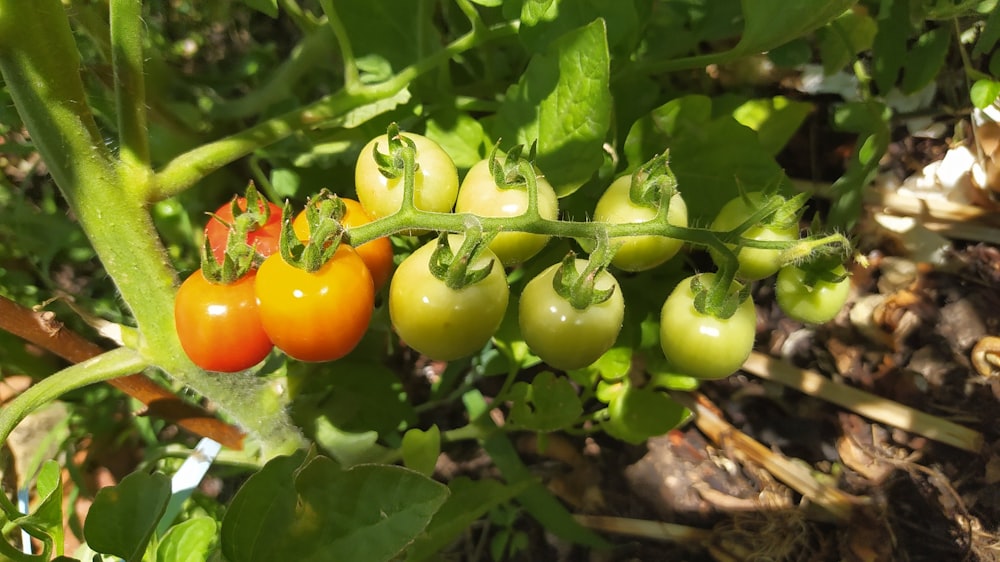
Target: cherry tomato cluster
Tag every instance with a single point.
(312, 298)
(311, 314)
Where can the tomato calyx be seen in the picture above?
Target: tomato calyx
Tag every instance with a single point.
(453, 267)
(579, 288)
(515, 172)
(721, 297)
(825, 269)
(393, 163)
(654, 184)
(325, 233)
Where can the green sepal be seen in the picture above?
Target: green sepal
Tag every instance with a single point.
(654, 183)
(240, 257)
(705, 297)
(392, 164)
(822, 269)
(579, 288)
(453, 267)
(325, 235)
(511, 173)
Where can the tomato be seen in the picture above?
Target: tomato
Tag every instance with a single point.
(563, 336)
(320, 315)
(435, 184)
(377, 254)
(638, 253)
(264, 239)
(219, 325)
(636, 414)
(440, 322)
(755, 263)
(815, 305)
(480, 195)
(702, 345)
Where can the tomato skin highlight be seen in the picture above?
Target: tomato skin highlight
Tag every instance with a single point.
(219, 326)
(264, 239)
(564, 337)
(755, 263)
(480, 195)
(377, 253)
(439, 322)
(702, 345)
(317, 316)
(812, 305)
(638, 253)
(435, 185)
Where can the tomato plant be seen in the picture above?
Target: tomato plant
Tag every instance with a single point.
(639, 253)
(319, 315)
(755, 263)
(805, 298)
(435, 184)
(701, 344)
(219, 325)
(564, 336)
(262, 237)
(442, 322)
(377, 253)
(479, 194)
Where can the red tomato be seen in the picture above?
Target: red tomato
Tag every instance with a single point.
(377, 254)
(264, 238)
(317, 316)
(219, 325)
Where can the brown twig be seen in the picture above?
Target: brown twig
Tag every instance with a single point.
(43, 330)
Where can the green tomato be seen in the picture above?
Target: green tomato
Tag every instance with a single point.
(637, 253)
(755, 263)
(440, 322)
(636, 414)
(814, 305)
(480, 195)
(702, 345)
(561, 335)
(435, 184)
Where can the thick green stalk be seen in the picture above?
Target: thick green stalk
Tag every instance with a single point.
(40, 63)
(130, 88)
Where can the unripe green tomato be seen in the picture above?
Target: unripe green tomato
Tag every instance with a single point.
(815, 305)
(435, 184)
(563, 336)
(755, 263)
(702, 345)
(637, 253)
(480, 195)
(440, 322)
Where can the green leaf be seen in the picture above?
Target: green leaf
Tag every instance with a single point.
(640, 413)
(984, 92)
(421, 449)
(889, 47)
(353, 395)
(469, 500)
(320, 512)
(48, 515)
(775, 120)
(989, 36)
(461, 136)
(548, 403)
(123, 517)
(562, 100)
(190, 541)
(710, 157)
(543, 21)
(925, 60)
(843, 38)
(267, 7)
(387, 32)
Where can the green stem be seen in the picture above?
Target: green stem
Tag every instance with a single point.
(352, 80)
(130, 86)
(111, 364)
